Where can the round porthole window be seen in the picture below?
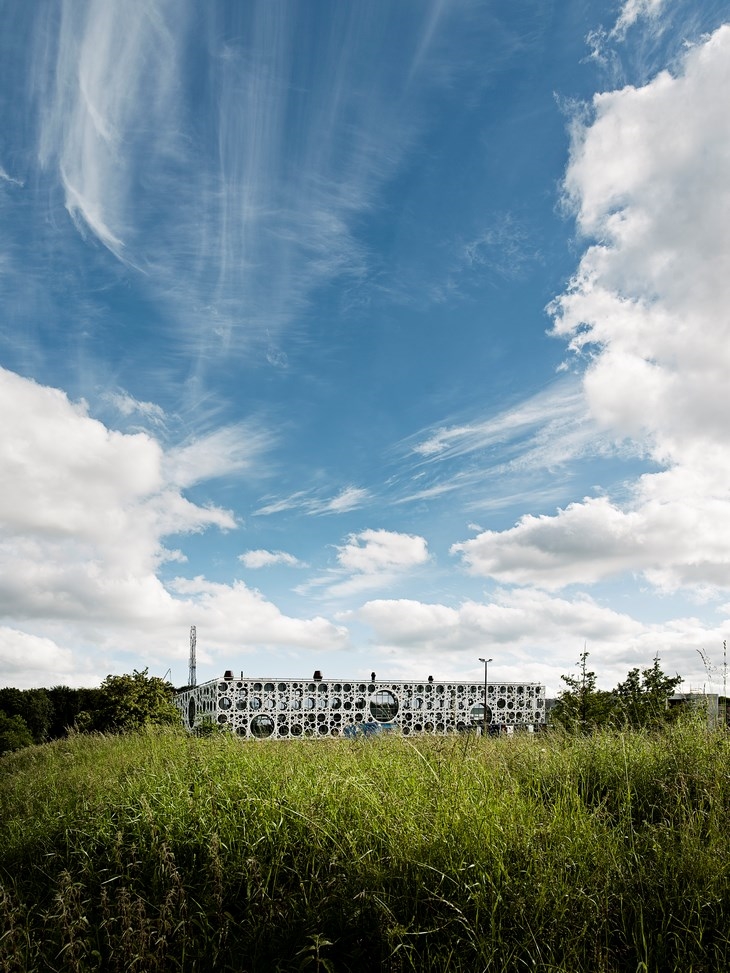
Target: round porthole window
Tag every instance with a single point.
(225, 702)
(262, 726)
(477, 714)
(383, 706)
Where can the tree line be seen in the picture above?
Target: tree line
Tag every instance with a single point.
(121, 703)
(640, 701)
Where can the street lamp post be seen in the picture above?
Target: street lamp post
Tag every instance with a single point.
(486, 663)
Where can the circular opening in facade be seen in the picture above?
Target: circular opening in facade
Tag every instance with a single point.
(477, 714)
(309, 703)
(383, 706)
(223, 686)
(255, 702)
(225, 702)
(323, 687)
(240, 704)
(191, 711)
(222, 718)
(282, 687)
(347, 687)
(262, 726)
(296, 730)
(336, 703)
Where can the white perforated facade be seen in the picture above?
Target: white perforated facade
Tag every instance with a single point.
(291, 708)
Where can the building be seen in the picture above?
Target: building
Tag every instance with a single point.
(289, 708)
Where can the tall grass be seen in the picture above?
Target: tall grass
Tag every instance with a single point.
(165, 852)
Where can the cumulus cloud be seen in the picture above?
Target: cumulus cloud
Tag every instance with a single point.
(533, 633)
(372, 559)
(647, 309)
(265, 559)
(29, 660)
(84, 512)
(374, 551)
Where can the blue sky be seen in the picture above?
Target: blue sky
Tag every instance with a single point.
(364, 336)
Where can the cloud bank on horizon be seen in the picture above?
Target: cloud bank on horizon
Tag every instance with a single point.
(274, 340)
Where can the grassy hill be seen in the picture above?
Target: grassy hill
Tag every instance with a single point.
(160, 851)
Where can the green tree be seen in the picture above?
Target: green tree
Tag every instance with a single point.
(33, 706)
(14, 733)
(130, 702)
(581, 706)
(69, 705)
(643, 697)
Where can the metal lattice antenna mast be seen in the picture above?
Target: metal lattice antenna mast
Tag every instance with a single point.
(192, 676)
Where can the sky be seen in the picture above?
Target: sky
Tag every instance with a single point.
(378, 336)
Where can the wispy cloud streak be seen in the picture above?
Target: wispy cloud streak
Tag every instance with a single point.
(235, 185)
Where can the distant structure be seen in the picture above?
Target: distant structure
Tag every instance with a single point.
(289, 708)
(192, 675)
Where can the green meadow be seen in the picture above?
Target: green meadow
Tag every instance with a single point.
(161, 851)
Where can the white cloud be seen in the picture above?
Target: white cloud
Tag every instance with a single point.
(227, 450)
(634, 10)
(27, 661)
(265, 559)
(557, 415)
(128, 406)
(239, 617)
(5, 177)
(649, 182)
(532, 636)
(370, 560)
(374, 551)
(84, 512)
(349, 498)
